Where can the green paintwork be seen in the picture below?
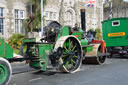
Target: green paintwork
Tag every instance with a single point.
(78, 34)
(64, 31)
(89, 49)
(115, 40)
(3, 73)
(84, 42)
(44, 50)
(27, 40)
(5, 50)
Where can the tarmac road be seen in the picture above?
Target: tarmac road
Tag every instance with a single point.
(114, 72)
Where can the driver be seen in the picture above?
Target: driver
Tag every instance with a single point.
(76, 28)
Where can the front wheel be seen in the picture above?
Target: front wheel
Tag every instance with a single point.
(95, 56)
(5, 71)
(71, 57)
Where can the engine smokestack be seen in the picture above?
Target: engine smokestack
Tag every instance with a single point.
(83, 19)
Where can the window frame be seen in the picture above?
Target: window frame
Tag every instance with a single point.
(1, 12)
(117, 24)
(2, 21)
(21, 16)
(19, 19)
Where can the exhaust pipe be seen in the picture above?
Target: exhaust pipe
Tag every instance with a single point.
(83, 19)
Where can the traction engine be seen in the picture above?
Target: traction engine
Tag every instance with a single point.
(62, 47)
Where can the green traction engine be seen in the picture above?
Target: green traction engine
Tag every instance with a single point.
(6, 53)
(61, 48)
(64, 48)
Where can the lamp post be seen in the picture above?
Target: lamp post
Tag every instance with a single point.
(41, 18)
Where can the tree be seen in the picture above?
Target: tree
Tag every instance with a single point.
(61, 13)
(34, 15)
(98, 33)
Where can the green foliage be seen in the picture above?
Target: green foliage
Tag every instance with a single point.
(16, 51)
(92, 29)
(34, 19)
(98, 34)
(15, 40)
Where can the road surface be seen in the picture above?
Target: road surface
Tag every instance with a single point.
(114, 72)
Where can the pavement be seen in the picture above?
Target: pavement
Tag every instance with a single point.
(113, 72)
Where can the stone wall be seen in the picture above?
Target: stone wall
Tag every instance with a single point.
(9, 14)
(119, 9)
(68, 12)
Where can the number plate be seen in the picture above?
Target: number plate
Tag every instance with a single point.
(116, 34)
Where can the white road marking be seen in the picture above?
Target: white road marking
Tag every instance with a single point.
(14, 84)
(34, 79)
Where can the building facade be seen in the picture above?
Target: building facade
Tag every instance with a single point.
(119, 8)
(12, 15)
(67, 12)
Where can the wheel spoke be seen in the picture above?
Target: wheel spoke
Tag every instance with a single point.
(64, 56)
(70, 44)
(66, 49)
(65, 53)
(77, 58)
(73, 48)
(71, 57)
(72, 61)
(75, 51)
(66, 65)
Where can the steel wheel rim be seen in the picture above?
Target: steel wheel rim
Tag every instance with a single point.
(72, 50)
(101, 58)
(3, 73)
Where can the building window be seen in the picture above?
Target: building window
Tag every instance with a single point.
(1, 12)
(50, 15)
(21, 14)
(22, 26)
(46, 14)
(1, 21)
(19, 20)
(54, 15)
(16, 26)
(69, 18)
(2, 26)
(16, 14)
(116, 23)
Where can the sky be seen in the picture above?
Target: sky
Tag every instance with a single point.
(125, 0)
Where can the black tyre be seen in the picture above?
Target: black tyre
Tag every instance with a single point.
(5, 71)
(71, 58)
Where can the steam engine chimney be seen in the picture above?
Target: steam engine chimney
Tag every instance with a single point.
(83, 19)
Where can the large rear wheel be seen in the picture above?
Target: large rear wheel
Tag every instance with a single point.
(71, 57)
(5, 71)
